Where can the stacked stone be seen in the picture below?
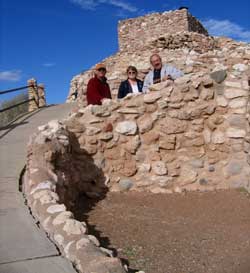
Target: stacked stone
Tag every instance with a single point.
(190, 135)
(225, 55)
(135, 33)
(42, 185)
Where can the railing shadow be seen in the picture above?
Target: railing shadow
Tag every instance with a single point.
(14, 124)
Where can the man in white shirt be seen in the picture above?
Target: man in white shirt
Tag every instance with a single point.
(160, 72)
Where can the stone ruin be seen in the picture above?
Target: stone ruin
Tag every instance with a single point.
(190, 135)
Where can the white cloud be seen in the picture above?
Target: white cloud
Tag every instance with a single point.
(86, 4)
(10, 75)
(93, 4)
(49, 64)
(227, 28)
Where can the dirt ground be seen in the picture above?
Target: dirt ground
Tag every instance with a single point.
(159, 233)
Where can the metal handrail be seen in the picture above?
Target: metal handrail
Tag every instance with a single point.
(15, 89)
(15, 105)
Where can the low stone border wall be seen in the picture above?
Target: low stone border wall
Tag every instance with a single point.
(42, 190)
(190, 135)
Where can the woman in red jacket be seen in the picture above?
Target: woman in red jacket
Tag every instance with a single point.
(98, 88)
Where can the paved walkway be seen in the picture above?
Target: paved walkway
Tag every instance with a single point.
(24, 248)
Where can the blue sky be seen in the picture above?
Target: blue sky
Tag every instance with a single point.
(53, 40)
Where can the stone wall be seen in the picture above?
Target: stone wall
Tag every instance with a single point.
(134, 34)
(187, 136)
(176, 35)
(187, 51)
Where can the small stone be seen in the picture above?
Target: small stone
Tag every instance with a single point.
(219, 76)
(233, 84)
(235, 133)
(59, 239)
(62, 217)
(207, 94)
(73, 227)
(152, 97)
(128, 111)
(46, 185)
(159, 86)
(145, 124)
(177, 190)
(94, 240)
(197, 163)
(187, 176)
(100, 110)
(144, 168)
(56, 208)
(162, 104)
(237, 121)
(159, 168)
(221, 101)
(91, 131)
(106, 136)
(238, 103)
(231, 93)
(211, 168)
(203, 181)
(126, 128)
(207, 82)
(240, 67)
(168, 142)
(125, 184)
(107, 251)
(218, 137)
(82, 243)
(234, 168)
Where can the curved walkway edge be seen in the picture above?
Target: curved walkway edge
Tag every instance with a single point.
(24, 248)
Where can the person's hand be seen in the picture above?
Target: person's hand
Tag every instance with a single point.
(106, 101)
(168, 77)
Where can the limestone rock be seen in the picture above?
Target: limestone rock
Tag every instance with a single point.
(197, 163)
(172, 126)
(144, 168)
(218, 137)
(125, 184)
(145, 124)
(126, 128)
(235, 133)
(240, 67)
(159, 168)
(221, 101)
(219, 76)
(159, 86)
(91, 131)
(231, 93)
(73, 227)
(152, 97)
(187, 176)
(56, 208)
(233, 168)
(133, 144)
(62, 217)
(238, 103)
(168, 142)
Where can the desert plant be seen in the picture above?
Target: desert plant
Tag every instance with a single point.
(9, 115)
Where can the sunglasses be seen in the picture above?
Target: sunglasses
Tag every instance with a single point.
(102, 69)
(131, 72)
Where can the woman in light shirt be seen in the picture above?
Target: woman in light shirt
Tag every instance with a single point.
(131, 85)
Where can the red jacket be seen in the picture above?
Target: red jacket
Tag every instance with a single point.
(97, 90)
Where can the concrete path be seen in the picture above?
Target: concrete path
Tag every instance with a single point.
(24, 248)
